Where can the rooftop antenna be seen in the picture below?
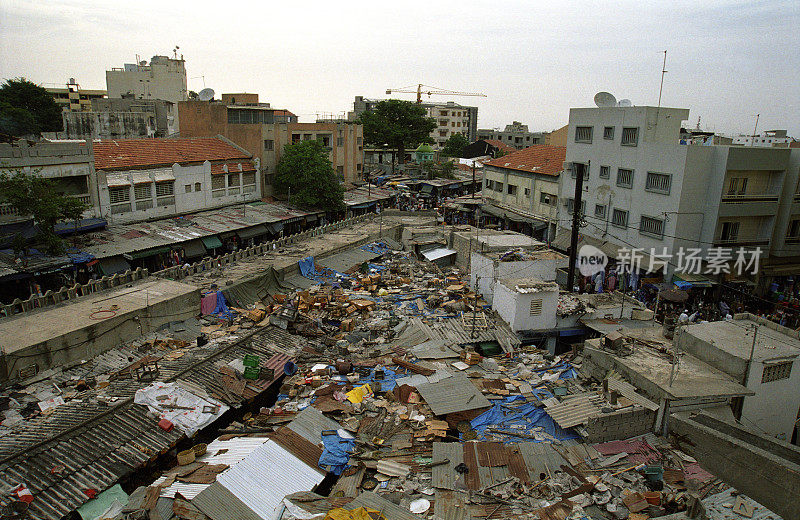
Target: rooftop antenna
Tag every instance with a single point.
(175, 52)
(663, 71)
(605, 99)
(207, 94)
(753, 142)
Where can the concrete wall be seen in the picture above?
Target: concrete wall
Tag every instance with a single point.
(535, 184)
(621, 424)
(764, 469)
(514, 307)
(774, 408)
(732, 365)
(482, 271)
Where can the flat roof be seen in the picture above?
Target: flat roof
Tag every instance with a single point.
(736, 338)
(529, 285)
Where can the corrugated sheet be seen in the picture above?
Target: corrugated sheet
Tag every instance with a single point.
(372, 500)
(346, 260)
(573, 411)
(444, 475)
(629, 392)
(453, 394)
(259, 482)
(310, 423)
(451, 505)
(219, 503)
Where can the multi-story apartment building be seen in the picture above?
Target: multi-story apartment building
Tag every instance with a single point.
(73, 98)
(521, 189)
(125, 118)
(163, 78)
(516, 134)
(645, 189)
(265, 131)
(778, 138)
(142, 179)
(451, 118)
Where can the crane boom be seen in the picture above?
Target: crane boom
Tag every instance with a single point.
(430, 91)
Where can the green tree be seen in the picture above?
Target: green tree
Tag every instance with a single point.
(499, 152)
(454, 146)
(305, 174)
(32, 195)
(445, 170)
(27, 108)
(399, 124)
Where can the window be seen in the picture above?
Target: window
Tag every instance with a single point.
(630, 136)
(233, 179)
(658, 182)
(536, 306)
(498, 186)
(489, 184)
(793, 233)
(608, 132)
(576, 167)
(583, 134)
(527, 192)
(600, 211)
(249, 178)
(188, 188)
(651, 226)
(511, 189)
(198, 186)
(776, 371)
(570, 204)
(730, 231)
(143, 191)
(119, 194)
(340, 141)
(307, 137)
(165, 189)
(546, 198)
(624, 177)
(358, 167)
(269, 145)
(443, 113)
(619, 218)
(217, 182)
(605, 172)
(737, 186)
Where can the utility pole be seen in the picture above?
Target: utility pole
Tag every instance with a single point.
(473, 178)
(580, 168)
(475, 306)
(752, 353)
(753, 142)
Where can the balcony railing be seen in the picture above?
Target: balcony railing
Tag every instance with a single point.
(741, 198)
(741, 242)
(83, 197)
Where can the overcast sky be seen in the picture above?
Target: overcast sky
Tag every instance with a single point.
(727, 60)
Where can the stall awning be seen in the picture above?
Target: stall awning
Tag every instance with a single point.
(164, 175)
(145, 254)
(113, 264)
(562, 242)
(251, 232)
(141, 178)
(118, 179)
(212, 242)
(194, 248)
(275, 227)
(689, 280)
(83, 225)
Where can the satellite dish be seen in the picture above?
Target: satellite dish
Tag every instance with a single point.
(605, 99)
(207, 94)
(625, 103)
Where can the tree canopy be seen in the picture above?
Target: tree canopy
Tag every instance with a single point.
(454, 146)
(305, 174)
(32, 195)
(27, 108)
(444, 170)
(399, 124)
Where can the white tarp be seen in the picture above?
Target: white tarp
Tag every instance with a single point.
(160, 397)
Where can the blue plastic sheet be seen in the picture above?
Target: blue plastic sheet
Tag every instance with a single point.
(379, 248)
(222, 309)
(387, 384)
(309, 270)
(523, 418)
(568, 371)
(336, 453)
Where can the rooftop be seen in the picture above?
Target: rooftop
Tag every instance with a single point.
(529, 285)
(141, 153)
(540, 158)
(736, 338)
(500, 145)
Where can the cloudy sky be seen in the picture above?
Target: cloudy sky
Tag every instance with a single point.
(727, 60)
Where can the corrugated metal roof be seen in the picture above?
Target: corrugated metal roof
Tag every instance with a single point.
(629, 392)
(372, 500)
(346, 260)
(310, 423)
(453, 394)
(259, 482)
(573, 411)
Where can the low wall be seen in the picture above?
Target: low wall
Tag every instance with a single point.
(622, 424)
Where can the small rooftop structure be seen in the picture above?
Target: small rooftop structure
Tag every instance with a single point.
(528, 285)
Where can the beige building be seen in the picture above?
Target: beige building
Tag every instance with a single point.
(73, 98)
(163, 78)
(515, 135)
(557, 137)
(265, 131)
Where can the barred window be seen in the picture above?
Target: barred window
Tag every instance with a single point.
(605, 172)
(249, 178)
(269, 145)
(583, 134)
(619, 217)
(217, 182)
(164, 189)
(600, 211)
(608, 132)
(658, 182)
(651, 226)
(570, 203)
(143, 191)
(624, 177)
(630, 136)
(119, 194)
(776, 371)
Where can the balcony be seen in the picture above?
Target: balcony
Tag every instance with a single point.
(83, 197)
(742, 242)
(740, 198)
(764, 203)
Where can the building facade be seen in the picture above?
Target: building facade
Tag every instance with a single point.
(163, 78)
(516, 134)
(451, 118)
(73, 98)
(643, 188)
(265, 131)
(126, 118)
(777, 138)
(521, 189)
(143, 179)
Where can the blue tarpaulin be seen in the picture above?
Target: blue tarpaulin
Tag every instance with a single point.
(568, 371)
(222, 309)
(336, 453)
(522, 418)
(309, 270)
(379, 248)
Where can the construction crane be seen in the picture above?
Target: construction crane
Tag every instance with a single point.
(430, 90)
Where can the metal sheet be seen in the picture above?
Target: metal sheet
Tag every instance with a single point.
(372, 500)
(573, 411)
(454, 394)
(310, 423)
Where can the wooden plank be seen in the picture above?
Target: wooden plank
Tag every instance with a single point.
(472, 479)
(412, 367)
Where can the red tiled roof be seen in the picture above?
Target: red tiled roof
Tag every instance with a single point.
(539, 158)
(501, 145)
(240, 166)
(142, 153)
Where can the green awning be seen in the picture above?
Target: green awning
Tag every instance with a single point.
(691, 279)
(113, 264)
(144, 254)
(212, 242)
(193, 248)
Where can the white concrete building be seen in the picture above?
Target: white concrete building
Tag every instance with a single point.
(163, 78)
(769, 138)
(526, 303)
(142, 179)
(486, 268)
(770, 372)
